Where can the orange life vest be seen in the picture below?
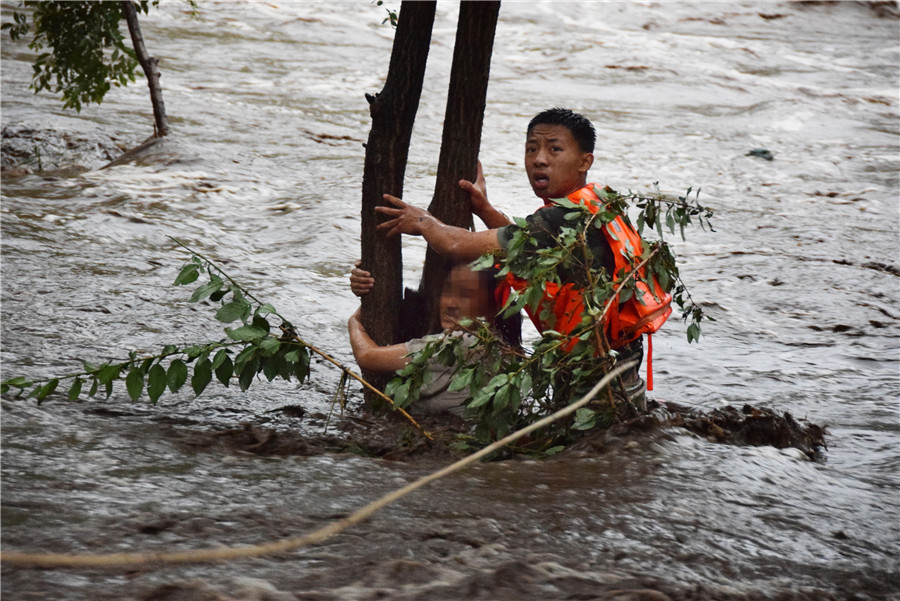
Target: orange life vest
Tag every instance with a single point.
(643, 313)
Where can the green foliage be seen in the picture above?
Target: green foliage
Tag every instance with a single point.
(510, 388)
(392, 17)
(86, 53)
(253, 348)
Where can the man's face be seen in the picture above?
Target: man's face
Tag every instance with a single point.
(554, 163)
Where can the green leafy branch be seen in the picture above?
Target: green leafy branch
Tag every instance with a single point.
(261, 343)
(510, 388)
(393, 17)
(87, 52)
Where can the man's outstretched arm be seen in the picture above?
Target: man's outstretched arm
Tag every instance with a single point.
(455, 243)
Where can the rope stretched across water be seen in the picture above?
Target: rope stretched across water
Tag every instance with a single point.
(156, 559)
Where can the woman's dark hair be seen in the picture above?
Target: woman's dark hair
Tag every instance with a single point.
(509, 328)
(581, 127)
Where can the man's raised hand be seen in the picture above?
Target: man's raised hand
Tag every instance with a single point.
(477, 192)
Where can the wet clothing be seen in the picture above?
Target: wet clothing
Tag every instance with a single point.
(562, 306)
(434, 396)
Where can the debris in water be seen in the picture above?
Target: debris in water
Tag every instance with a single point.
(763, 153)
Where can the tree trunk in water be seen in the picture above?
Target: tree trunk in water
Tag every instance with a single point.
(461, 137)
(149, 65)
(393, 113)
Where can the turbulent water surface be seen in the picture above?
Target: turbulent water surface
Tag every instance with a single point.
(263, 173)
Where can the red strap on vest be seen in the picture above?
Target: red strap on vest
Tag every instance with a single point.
(649, 361)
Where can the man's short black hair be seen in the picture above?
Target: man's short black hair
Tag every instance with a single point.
(581, 127)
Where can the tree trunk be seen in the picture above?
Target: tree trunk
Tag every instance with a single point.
(462, 135)
(393, 113)
(150, 67)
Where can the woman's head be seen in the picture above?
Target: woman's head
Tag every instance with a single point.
(464, 296)
(471, 294)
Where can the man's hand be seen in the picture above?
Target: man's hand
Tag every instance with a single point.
(477, 192)
(406, 219)
(481, 207)
(361, 281)
(454, 243)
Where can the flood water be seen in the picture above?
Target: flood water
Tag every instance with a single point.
(263, 173)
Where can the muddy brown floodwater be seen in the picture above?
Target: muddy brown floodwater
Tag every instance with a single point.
(263, 172)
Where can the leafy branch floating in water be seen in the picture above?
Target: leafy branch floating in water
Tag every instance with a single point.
(256, 346)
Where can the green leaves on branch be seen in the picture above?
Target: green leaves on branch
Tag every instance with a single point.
(393, 17)
(250, 349)
(509, 388)
(660, 209)
(86, 52)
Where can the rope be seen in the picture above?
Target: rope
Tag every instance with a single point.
(150, 559)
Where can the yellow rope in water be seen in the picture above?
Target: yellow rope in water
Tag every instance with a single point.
(149, 560)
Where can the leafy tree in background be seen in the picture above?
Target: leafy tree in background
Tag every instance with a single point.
(86, 53)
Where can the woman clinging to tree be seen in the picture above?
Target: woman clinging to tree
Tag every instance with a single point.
(466, 294)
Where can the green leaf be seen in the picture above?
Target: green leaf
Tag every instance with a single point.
(177, 375)
(461, 379)
(134, 383)
(244, 356)
(215, 283)
(265, 308)
(246, 333)
(47, 389)
(108, 373)
(400, 393)
(188, 274)
(202, 376)
(502, 398)
(224, 369)
(585, 419)
(156, 382)
(232, 311)
(270, 367)
(481, 398)
(483, 262)
(220, 357)
(269, 346)
(693, 333)
(193, 352)
(247, 373)
(261, 322)
(19, 382)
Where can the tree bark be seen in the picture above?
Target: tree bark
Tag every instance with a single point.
(393, 113)
(461, 138)
(150, 66)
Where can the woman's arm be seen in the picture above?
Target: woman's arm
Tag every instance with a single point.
(361, 281)
(369, 355)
